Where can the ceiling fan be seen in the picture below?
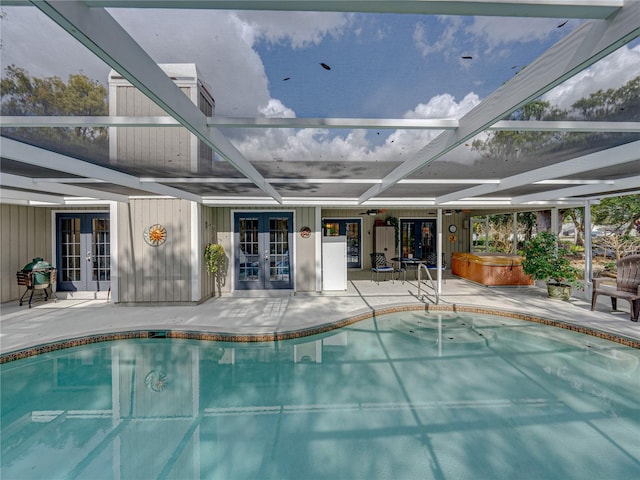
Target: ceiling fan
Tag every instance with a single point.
(374, 211)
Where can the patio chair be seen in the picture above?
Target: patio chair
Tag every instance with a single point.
(380, 265)
(627, 286)
(432, 261)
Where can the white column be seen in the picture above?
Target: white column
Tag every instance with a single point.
(439, 251)
(588, 259)
(114, 259)
(318, 241)
(486, 233)
(554, 220)
(515, 232)
(196, 256)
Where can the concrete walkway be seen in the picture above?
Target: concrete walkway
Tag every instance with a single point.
(268, 313)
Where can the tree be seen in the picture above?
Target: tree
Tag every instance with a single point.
(527, 222)
(511, 144)
(501, 230)
(613, 104)
(23, 95)
(576, 215)
(621, 103)
(620, 213)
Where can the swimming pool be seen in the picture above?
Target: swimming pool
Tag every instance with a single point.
(404, 395)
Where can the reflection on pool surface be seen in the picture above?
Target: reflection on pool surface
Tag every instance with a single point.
(405, 395)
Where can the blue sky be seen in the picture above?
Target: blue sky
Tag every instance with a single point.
(382, 66)
(379, 69)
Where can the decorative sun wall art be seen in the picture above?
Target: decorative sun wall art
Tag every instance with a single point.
(155, 235)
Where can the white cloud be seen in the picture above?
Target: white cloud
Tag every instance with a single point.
(218, 42)
(446, 41)
(221, 43)
(497, 32)
(481, 33)
(31, 41)
(310, 144)
(444, 106)
(612, 71)
(275, 108)
(299, 29)
(314, 144)
(406, 142)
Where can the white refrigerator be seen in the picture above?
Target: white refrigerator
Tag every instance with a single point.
(334, 263)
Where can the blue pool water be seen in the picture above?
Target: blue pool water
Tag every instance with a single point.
(402, 396)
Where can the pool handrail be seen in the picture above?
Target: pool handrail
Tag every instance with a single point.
(435, 289)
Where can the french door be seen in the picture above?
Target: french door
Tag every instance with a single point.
(351, 228)
(83, 252)
(418, 238)
(262, 256)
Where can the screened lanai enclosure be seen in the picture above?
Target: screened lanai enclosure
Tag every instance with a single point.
(309, 106)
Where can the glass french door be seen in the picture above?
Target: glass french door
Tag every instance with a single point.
(262, 256)
(83, 252)
(351, 228)
(418, 238)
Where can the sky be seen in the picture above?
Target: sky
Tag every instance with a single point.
(270, 64)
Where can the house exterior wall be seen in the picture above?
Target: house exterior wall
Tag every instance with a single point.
(25, 233)
(157, 149)
(154, 273)
(306, 250)
(173, 272)
(461, 243)
(217, 226)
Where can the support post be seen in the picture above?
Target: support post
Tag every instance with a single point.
(588, 257)
(439, 250)
(515, 232)
(486, 233)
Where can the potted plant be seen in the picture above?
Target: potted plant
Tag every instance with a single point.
(214, 261)
(544, 260)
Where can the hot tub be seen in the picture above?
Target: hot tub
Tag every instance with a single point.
(491, 269)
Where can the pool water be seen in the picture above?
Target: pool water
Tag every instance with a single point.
(402, 396)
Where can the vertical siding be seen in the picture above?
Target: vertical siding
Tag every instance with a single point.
(25, 233)
(305, 248)
(154, 274)
(156, 147)
(217, 227)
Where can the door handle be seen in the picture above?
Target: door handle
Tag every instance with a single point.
(88, 257)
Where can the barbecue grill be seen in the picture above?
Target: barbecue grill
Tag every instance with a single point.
(37, 275)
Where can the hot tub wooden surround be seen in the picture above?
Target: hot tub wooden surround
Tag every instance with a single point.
(491, 269)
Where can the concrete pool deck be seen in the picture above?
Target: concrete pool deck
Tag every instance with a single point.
(265, 313)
